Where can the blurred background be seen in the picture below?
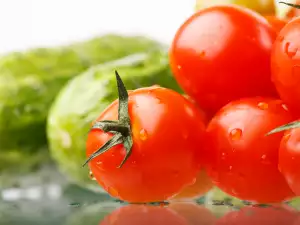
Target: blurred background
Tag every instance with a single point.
(51, 52)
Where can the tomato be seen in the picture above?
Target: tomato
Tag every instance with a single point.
(276, 23)
(289, 158)
(193, 213)
(167, 135)
(202, 185)
(286, 65)
(143, 214)
(241, 160)
(260, 216)
(222, 53)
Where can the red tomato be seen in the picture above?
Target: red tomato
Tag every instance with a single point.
(286, 65)
(242, 161)
(202, 185)
(222, 53)
(193, 213)
(276, 23)
(167, 135)
(289, 158)
(143, 215)
(260, 216)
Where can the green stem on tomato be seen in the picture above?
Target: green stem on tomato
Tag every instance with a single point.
(290, 4)
(121, 128)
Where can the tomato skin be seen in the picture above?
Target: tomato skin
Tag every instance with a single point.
(241, 160)
(285, 63)
(202, 185)
(143, 214)
(260, 216)
(289, 158)
(166, 132)
(221, 54)
(276, 23)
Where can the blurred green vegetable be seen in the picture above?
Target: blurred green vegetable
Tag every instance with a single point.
(86, 96)
(29, 82)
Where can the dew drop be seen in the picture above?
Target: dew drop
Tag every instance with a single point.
(113, 192)
(230, 168)
(143, 135)
(263, 156)
(179, 67)
(290, 50)
(236, 134)
(263, 105)
(284, 107)
(91, 175)
(223, 156)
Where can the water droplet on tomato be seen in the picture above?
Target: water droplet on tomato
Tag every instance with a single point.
(236, 134)
(223, 156)
(230, 168)
(263, 105)
(284, 107)
(179, 67)
(290, 50)
(265, 160)
(263, 156)
(202, 54)
(143, 135)
(113, 192)
(91, 175)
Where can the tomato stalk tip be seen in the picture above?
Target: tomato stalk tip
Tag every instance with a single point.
(292, 125)
(121, 128)
(290, 4)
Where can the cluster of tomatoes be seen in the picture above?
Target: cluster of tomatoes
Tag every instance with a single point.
(241, 72)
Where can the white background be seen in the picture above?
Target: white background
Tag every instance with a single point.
(30, 23)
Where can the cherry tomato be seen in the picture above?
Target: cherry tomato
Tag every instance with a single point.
(143, 215)
(242, 161)
(167, 135)
(222, 53)
(276, 23)
(202, 185)
(194, 213)
(289, 158)
(260, 216)
(286, 65)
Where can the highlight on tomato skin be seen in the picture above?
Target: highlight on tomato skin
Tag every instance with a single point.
(195, 214)
(249, 215)
(143, 215)
(167, 133)
(227, 59)
(285, 64)
(289, 158)
(241, 160)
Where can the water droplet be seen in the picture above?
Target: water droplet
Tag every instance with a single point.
(223, 155)
(265, 160)
(263, 105)
(99, 163)
(91, 175)
(290, 50)
(179, 67)
(143, 135)
(133, 162)
(236, 134)
(263, 156)
(293, 158)
(284, 107)
(113, 192)
(230, 168)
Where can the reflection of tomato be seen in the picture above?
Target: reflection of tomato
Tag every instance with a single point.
(167, 135)
(222, 53)
(193, 213)
(276, 23)
(242, 160)
(289, 158)
(260, 216)
(143, 215)
(202, 185)
(286, 65)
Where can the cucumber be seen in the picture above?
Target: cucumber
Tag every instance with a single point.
(29, 82)
(86, 96)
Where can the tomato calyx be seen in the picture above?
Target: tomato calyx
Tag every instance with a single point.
(288, 126)
(120, 128)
